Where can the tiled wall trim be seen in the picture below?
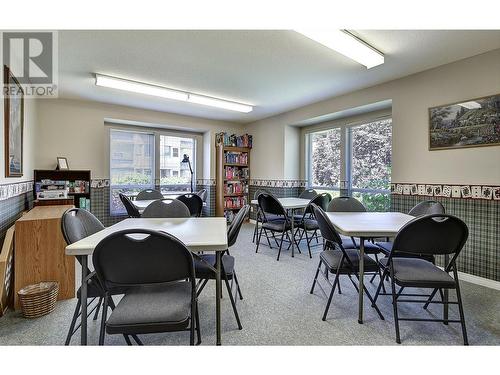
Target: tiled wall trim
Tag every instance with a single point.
(279, 183)
(99, 183)
(477, 191)
(12, 190)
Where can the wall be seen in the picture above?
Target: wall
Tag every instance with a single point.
(411, 97)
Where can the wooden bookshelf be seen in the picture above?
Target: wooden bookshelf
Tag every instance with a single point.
(225, 163)
(64, 175)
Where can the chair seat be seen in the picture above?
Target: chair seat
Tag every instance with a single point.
(308, 224)
(419, 273)
(332, 260)
(202, 271)
(277, 225)
(370, 247)
(385, 247)
(152, 309)
(272, 217)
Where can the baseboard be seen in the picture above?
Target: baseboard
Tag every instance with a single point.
(479, 280)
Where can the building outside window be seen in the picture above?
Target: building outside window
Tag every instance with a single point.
(358, 154)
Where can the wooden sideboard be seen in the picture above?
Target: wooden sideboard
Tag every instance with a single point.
(39, 252)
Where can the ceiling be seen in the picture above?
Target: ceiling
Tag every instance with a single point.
(275, 71)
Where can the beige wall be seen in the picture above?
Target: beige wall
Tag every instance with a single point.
(29, 136)
(411, 97)
(75, 129)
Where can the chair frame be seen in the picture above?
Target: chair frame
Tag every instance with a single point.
(450, 266)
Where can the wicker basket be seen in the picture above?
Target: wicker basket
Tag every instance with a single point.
(38, 299)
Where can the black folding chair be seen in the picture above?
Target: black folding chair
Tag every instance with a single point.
(339, 261)
(132, 211)
(193, 202)
(166, 208)
(269, 205)
(157, 272)
(437, 234)
(149, 194)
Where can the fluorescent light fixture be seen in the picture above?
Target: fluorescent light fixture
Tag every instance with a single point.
(219, 103)
(164, 92)
(470, 105)
(347, 44)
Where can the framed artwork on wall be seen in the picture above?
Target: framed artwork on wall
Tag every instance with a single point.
(471, 123)
(14, 123)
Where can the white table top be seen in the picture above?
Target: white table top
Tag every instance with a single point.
(142, 204)
(197, 233)
(369, 224)
(289, 203)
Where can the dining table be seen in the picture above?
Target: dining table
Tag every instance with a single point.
(207, 234)
(367, 225)
(290, 204)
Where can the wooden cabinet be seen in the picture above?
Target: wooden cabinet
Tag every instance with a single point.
(39, 253)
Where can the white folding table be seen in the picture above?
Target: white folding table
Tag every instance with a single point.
(291, 204)
(208, 234)
(366, 225)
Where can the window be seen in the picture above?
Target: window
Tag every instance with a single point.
(134, 164)
(131, 165)
(359, 156)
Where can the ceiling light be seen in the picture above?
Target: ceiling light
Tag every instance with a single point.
(470, 105)
(164, 92)
(213, 102)
(347, 44)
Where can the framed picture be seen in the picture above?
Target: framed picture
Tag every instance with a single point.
(470, 123)
(14, 123)
(62, 164)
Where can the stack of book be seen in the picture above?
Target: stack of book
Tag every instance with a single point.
(233, 140)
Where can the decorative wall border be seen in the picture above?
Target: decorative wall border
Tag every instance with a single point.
(206, 181)
(17, 188)
(99, 183)
(279, 183)
(484, 192)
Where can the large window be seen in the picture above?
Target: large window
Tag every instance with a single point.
(148, 160)
(355, 158)
(132, 165)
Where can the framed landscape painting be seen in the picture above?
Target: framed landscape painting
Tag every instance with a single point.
(471, 123)
(14, 122)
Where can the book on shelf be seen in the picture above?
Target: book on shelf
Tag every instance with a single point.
(233, 140)
(236, 157)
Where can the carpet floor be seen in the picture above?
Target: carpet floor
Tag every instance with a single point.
(277, 309)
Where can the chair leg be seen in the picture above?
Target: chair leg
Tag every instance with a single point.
(281, 245)
(267, 238)
(237, 285)
(430, 298)
(232, 303)
(374, 305)
(315, 278)
(308, 246)
(103, 320)
(395, 307)
(384, 274)
(127, 339)
(198, 330)
(73, 322)
(136, 339)
(98, 308)
(331, 295)
(460, 306)
(258, 240)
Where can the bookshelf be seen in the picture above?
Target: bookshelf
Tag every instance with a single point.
(232, 177)
(82, 190)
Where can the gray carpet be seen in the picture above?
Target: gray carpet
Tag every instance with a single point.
(277, 309)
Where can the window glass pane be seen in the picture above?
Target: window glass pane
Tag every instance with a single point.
(325, 162)
(377, 202)
(371, 155)
(175, 177)
(131, 165)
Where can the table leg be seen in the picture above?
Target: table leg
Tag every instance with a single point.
(218, 290)
(83, 299)
(361, 277)
(292, 236)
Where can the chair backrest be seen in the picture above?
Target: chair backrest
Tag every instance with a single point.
(135, 257)
(166, 208)
(234, 228)
(132, 211)
(322, 200)
(346, 204)
(308, 194)
(258, 192)
(269, 204)
(193, 202)
(436, 234)
(149, 194)
(203, 194)
(427, 208)
(328, 231)
(77, 223)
